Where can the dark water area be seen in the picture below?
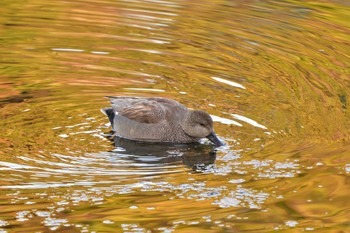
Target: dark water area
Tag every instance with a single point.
(274, 75)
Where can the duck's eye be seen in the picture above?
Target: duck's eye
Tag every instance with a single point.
(201, 124)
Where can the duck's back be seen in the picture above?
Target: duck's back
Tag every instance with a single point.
(148, 119)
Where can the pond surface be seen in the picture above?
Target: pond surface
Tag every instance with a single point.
(274, 75)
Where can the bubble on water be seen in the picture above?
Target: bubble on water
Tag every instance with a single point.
(132, 227)
(291, 223)
(108, 221)
(230, 156)
(258, 163)
(193, 223)
(42, 213)
(3, 223)
(54, 223)
(228, 202)
(118, 149)
(243, 197)
(29, 203)
(58, 210)
(63, 202)
(22, 216)
(236, 181)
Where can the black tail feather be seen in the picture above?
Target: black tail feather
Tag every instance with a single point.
(110, 114)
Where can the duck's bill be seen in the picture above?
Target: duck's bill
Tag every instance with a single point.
(212, 137)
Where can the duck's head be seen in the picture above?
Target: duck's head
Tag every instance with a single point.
(199, 124)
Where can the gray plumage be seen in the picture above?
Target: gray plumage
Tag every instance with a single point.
(158, 120)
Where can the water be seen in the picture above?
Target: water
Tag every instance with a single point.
(273, 74)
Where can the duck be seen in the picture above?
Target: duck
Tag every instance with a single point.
(158, 119)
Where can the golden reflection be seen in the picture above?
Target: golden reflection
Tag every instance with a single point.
(274, 75)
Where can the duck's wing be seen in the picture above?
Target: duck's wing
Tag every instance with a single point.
(143, 110)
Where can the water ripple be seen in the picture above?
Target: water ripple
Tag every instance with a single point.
(276, 65)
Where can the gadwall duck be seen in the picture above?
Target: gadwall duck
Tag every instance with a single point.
(158, 120)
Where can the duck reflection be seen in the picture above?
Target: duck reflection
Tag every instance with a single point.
(194, 155)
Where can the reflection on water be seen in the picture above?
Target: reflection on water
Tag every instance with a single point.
(274, 75)
(194, 155)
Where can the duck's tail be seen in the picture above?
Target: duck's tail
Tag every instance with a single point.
(109, 113)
